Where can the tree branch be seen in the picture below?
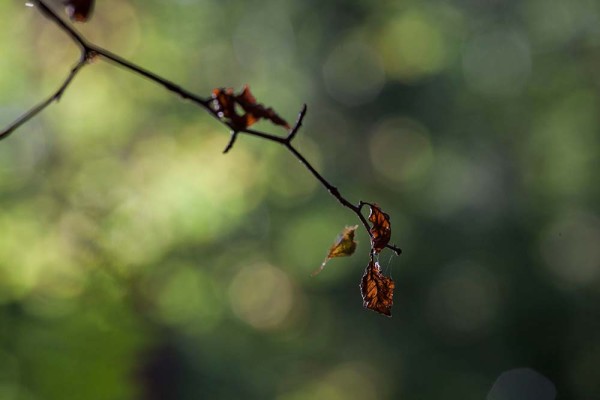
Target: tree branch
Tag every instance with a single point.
(90, 50)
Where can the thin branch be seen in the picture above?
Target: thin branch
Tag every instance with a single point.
(394, 248)
(234, 135)
(298, 124)
(185, 94)
(262, 135)
(63, 25)
(41, 106)
(90, 50)
(87, 47)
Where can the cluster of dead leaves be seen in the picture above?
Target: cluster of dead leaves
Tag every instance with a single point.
(225, 102)
(377, 290)
(241, 111)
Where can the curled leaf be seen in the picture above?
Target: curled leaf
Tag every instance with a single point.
(381, 230)
(224, 105)
(225, 100)
(79, 10)
(247, 101)
(343, 246)
(377, 290)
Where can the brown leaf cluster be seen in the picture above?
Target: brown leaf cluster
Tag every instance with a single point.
(376, 289)
(225, 102)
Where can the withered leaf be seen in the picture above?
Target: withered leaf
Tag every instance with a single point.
(247, 101)
(224, 105)
(343, 246)
(377, 290)
(224, 101)
(381, 229)
(79, 10)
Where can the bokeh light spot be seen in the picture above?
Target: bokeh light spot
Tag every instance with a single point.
(347, 381)
(262, 296)
(353, 73)
(564, 21)
(168, 194)
(464, 299)
(561, 153)
(522, 384)
(401, 151)
(264, 44)
(412, 46)
(570, 248)
(188, 298)
(497, 63)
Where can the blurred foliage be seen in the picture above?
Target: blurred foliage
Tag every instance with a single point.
(139, 262)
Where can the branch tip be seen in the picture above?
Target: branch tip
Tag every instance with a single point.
(394, 248)
(298, 123)
(232, 139)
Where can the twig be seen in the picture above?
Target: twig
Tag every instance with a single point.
(234, 135)
(52, 98)
(90, 50)
(298, 124)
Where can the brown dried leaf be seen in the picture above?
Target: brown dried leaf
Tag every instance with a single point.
(377, 290)
(343, 246)
(381, 229)
(224, 101)
(79, 10)
(224, 105)
(248, 102)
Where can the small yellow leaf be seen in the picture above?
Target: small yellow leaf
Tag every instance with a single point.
(343, 246)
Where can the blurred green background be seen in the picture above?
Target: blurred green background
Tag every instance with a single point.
(139, 262)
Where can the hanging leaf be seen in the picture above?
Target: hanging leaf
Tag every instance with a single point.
(381, 229)
(224, 102)
(377, 290)
(79, 10)
(343, 246)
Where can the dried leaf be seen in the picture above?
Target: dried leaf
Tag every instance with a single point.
(224, 101)
(343, 246)
(224, 105)
(79, 10)
(377, 290)
(381, 229)
(248, 102)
